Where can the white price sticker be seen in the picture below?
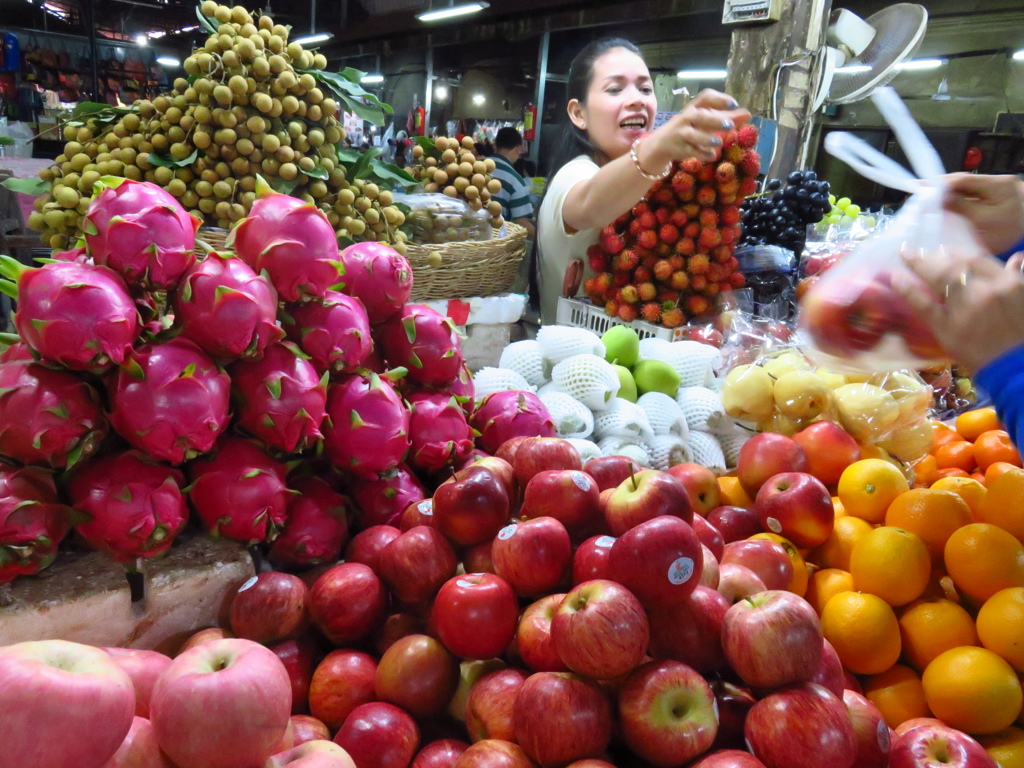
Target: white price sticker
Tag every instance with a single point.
(681, 570)
(507, 532)
(581, 480)
(774, 525)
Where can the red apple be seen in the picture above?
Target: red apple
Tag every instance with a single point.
(736, 582)
(502, 468)
(701, 486)
(491, 704)
(845, 317)
(568, 495)
(764, 557)
(733, 705)
(936, 746)
(417, 674)
(802, 727)
(472, 506)
(690, 631)
(312, 754)
(735, 523)
(798, 507)
(705, 335)
(560, 717)
(298, 657)
(830, 674)
(348, 603)
(830, 449)
(417, 513)
(366, 546)
(600, 630)
(397, 626)
(709, 573)
(470, 673)
(533, 556)
(139, 749)
(442, 753)
(610, 471)
(507, 451)
(645, 496)
(476, 615)
(851, 683)
(477, 558)
(64, 705)
(343, 681)
(221, 705)
(207, 635)
(668, 713)
(916, 722)
(590, 560)
(379, 735)
(494, 753)
(537, 454)
(872, 733)
(772, 639)
(709, 536)
(728, 758)
(270, 607)
(590, 762)
(766, 455)
(308, 728)
(659, 561)
(533, 636)
(143, 667)
(417, 563)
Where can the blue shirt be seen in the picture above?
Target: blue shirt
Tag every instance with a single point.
(1003, 379)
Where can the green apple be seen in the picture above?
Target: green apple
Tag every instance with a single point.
(656, 376)
(622, 345)
(627, 385)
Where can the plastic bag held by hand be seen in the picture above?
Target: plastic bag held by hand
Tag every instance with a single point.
(852, 315)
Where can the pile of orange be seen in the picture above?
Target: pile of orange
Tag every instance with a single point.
(978, 448)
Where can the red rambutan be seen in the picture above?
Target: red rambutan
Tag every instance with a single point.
(630, 294)
(746, 137)
(697, 305)
(642, 274)
(673, 318)
(699, 282)
(709, 238)
(698, 264)
(679, 219)
(627, 313)
(692, 165)
(668, 234)
(611, 308)
(647, 291)
(737, 280)
(730, 215)
(686, 246)
(706, 197)
(680, 280)
(708, 218)
(647, 238)
(651, 312)
(751, 165)
(663, 270)
(725, 172)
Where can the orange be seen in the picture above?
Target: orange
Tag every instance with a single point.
(944, 436)
(941, 587)
(971, 491)
(972, 690)
(983, 559)
(898, 694)
(956, 456)
(798, 582)
(867, 488)
(925, 470)
(1001, 625)
(931, 514)
(891, 563)
(997, 469)
(835, 552)
(995, 446)
(837, 507)
(732, 493)
(1006, 747)
(864, 631)
(929, 628)
(1004, 503)
(826, 584)
(978, 477)
(973, 423)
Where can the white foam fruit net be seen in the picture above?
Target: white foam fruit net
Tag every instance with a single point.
(731, 443)
(694, 362)
(586, 449)
(624, 419)
(703, 409)
(625, 446)
(525, 358)
(706, 451)
(654, 348)
(637, 453)
(487, 381)
(667, 451)
(550, 388)
(572, 418)
(559, 342)
(588, 378)
(664, 414)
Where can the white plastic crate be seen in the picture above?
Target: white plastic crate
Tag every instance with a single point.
(580, 313)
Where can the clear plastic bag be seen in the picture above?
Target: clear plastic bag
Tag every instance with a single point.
(853, 318)
(434, 219)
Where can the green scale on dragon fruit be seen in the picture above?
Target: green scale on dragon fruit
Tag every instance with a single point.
(32, 521)
(79, 316)
(379, 276)
(504, 415)
(382, 500)
(133, 505)
(439, 434)
(334, 331)
(316, 528)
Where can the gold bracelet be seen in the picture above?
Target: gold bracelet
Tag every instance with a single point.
(636, 162)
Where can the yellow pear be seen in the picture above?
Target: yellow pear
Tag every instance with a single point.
(747, 393)
(867, 412)
(912, 394)
(786, 362)
(801, 395)
(910, 443)
(833, 379)
(781, 425)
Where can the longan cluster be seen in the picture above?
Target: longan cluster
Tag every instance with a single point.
(452, 169)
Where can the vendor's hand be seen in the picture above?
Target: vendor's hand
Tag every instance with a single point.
(691, 133)
(979, 310)
(993, 204)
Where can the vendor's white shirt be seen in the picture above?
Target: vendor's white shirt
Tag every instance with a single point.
(558, 247)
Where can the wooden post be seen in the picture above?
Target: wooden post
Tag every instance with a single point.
(773, 72)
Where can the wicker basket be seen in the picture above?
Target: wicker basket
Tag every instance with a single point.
(469, 268)
(214, 237)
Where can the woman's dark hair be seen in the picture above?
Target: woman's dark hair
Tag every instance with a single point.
(575, 141)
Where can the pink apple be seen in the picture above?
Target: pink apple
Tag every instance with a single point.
(668, 713)
(418, 674)
(849, 316)
(379, 735)
(765, 455)
(736, 582)
(802, 727)
(221, 705)
(442, 753)
(590, 560)
(610, 471)
(308, 728)
(366, 546)
(270, 608)
(568, 495)
(659, 561)
(491, 705)
(348, 602)
(830, 674)
(936, 746)
(299, 659)
(733, 705)
(139, 749)
(701, 486)
(533, 556)
(798, 507)
(207, 635)
(417, 513)
(765, 558)
(533, 636)
(477, 559)
(507, 450)
(709, 536)
(502, 469)
(312, 754)
(872, 733)
(645, 496)
(343, 681)
(709, 574)
(600, 630)
(705, 335)
(735, 523)
(916, 722)
(851, 683)
(830, 449)
(472, 506)
(772, 639)
(494, 753)
(476, 615)
(728, 758)
(395, 627)
(470, 673)
(538, 454)
(143, 667)
(561, 717)
(64, 705)
(690, 631)
(417, 563)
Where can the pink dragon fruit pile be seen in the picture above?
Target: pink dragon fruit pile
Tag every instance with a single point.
(282, 393)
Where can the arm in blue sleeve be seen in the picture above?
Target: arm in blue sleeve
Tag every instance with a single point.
(1003, 379)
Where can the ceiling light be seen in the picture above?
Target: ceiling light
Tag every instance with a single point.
(371, 79)
(1019, 55)
(702, 74)
(920, 64)
(441, 92)
(451, 12)
(479, 98)
(168, 61)
(853, 69)
(141, 40)
(319, 37)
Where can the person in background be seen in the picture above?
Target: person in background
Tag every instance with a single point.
(979, 315)
(515, 191)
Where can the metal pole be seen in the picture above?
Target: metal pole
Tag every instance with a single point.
(93, 55)
(312, 16)
(428, 99)
(542, 79)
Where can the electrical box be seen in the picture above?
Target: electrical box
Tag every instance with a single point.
(751, 11)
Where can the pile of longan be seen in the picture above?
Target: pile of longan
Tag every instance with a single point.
(452, 169)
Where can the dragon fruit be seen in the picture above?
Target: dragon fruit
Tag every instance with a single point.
(438, 430)
(227, 309)
(77, 315)
(79, 254)
(464, 390)
(32, 521)
(317, 527)
(509, 414)
(170, 400)
(379, 276)
(134, 504)
(293, 241)
(47, 417)
(334, 331)
(141, 232)
(425, 342)
(367, 427)
(239, 492)
(19, 350)
(280, 398)
(382, 501)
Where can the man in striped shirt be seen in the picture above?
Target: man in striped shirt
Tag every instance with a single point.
(515, 200)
